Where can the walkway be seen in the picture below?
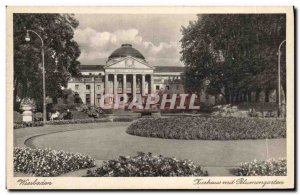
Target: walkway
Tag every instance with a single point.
(105, 141)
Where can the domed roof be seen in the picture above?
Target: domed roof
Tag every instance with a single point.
(126, 50)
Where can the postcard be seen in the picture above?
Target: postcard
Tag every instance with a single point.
(150, 98)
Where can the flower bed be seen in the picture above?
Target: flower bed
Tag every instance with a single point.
(209, 128)
(147, 165)
(49, 163)
(90, 120)
(262, 168)
(28, 124)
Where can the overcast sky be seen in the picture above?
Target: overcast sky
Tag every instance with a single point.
(155, 36)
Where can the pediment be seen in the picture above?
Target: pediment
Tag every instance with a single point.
(128, 63)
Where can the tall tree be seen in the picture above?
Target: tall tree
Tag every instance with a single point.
(61, 53)
(237, 53)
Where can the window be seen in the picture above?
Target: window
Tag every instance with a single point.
(167, 87)
(76, 87)
(98, 87)
(157, 87)
(88, 87)
(77, 98)
(98, 99)
(177, 87)
(87, 98)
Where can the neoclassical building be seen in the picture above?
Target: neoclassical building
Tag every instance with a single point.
(126, 72)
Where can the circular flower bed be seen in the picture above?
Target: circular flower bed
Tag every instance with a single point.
(209, 128)
(147, 165)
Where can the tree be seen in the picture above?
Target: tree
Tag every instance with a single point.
(61, 53)
(236, 52)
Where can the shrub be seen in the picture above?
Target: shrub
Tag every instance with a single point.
(90, 120)
(262, 168)
(209, 128)
(49, 163)
(79, 115)
(123, 119)
(28, 124)
(147, 165)
(64, 107)
(38, 116)
(17, 117)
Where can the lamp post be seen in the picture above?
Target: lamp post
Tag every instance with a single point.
(27, 38)
(279, 76)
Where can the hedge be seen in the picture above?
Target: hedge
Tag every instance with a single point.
(270, 167)
(90, 120)
(81, 121)
(49, 163)
(28, 124)
(147, 165)
(209, 128)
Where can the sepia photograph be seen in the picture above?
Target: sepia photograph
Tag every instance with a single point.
(178, 98)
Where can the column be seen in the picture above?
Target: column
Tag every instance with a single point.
(143, 84)
(134, 85)
(106, 84)
(115, 85)
(151, 84)
(106, 89)
(124, 84)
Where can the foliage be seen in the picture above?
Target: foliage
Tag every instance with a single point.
(123, 119)
(18, 125)
(237, 53)
(61, 53)
(77, 115)
(49, 163)
(64, 107)
(209, 128)
(147, 165)
(17, 117)
(38, 116)
(80, 121)
(270, 167)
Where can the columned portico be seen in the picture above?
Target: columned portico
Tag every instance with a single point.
(133, 73)
(129, 81)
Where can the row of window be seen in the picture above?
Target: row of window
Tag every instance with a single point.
(88, 87)
(88, 98)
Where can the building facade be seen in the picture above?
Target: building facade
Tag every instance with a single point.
(126, 72)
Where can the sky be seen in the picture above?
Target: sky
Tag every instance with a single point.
(155, 36)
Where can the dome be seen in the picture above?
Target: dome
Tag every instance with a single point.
(126, 50)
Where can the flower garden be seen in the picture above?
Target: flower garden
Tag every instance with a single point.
(209, 128)
(270, 167)
(49, 163)
(147, 165)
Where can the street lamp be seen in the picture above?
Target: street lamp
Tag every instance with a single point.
(27, 39)
(279, 85)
